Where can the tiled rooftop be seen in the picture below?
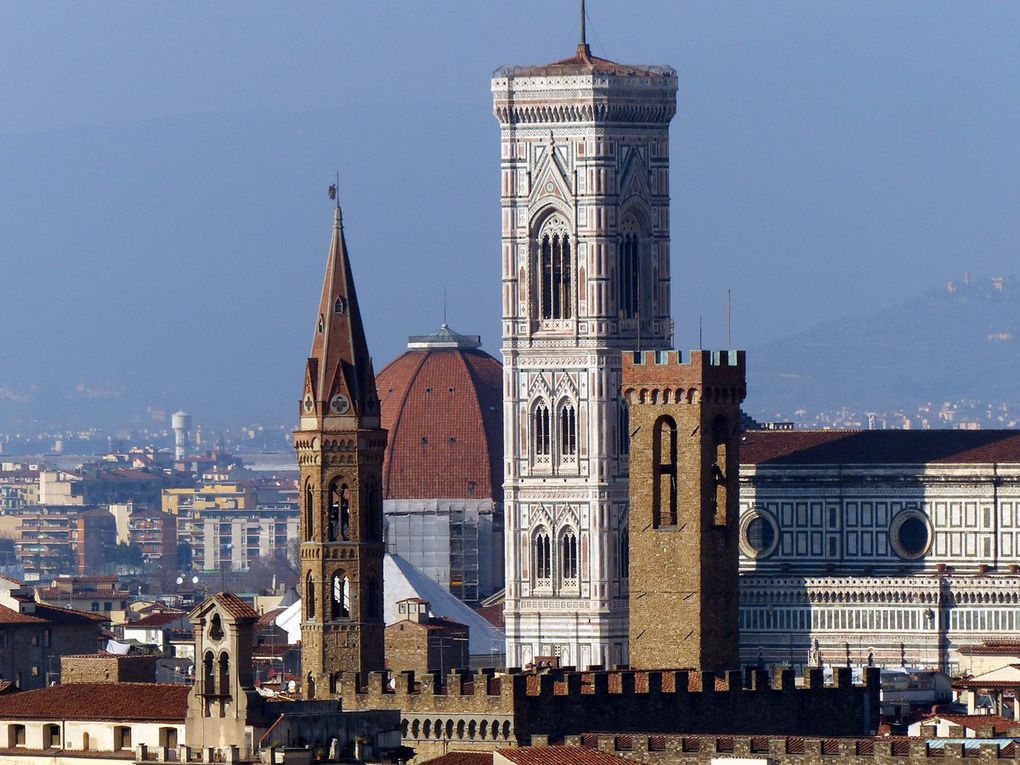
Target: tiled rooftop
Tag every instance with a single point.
(152, 702)
(875, 447)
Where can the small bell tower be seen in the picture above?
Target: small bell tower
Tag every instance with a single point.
(684, 460)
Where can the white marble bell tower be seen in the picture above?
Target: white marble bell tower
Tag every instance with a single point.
(585, 264)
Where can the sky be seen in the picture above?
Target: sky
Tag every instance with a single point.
(164, 221)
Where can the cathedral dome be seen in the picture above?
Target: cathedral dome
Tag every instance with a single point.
(441, 402)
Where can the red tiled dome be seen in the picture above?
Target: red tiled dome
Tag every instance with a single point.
(441, 402)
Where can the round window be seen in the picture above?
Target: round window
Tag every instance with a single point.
(910, 534)
(759, 533)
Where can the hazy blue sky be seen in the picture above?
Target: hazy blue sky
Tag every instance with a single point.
(163, 172)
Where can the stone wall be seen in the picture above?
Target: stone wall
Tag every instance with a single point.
(107, 668)
(788, 750)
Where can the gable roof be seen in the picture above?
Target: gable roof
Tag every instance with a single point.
(875, 447)
(150, 702)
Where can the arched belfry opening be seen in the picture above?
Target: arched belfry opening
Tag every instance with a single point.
(554, 269)
(339, 512)
(664, 472)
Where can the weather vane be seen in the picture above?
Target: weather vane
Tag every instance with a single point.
(334, 189)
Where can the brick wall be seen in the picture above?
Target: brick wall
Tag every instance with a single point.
(105, 668)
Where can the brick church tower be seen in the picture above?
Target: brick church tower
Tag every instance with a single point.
(684, 507)
(340, 447)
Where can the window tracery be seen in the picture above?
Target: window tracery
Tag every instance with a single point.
(554, 272)
(541, 431)
(568, 558)
(628, 269)
(543, 558)
(568, 430)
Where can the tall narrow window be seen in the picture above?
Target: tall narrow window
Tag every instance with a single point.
(541, 429)
(208, 679)
(309, 597)
(568, 430)
(628, 269)
(340, 600)
(568, 557)
(224, 684)
(543, 559)
(720, 435)
(664, 464)
(555, 269)
(309, 509)
(339, 512)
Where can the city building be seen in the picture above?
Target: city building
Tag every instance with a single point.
(33, 636)
(424, 643)
(442, 407)
(883, 548)
(62, 540)
(220, 539)
(584, 185)
(102, 595)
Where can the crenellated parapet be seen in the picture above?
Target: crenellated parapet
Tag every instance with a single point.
(663, 377)
(515, 707)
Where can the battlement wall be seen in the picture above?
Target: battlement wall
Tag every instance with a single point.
(790, 750)
(664, 377)
(564, 702)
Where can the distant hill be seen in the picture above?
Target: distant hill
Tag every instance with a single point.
(958, 342)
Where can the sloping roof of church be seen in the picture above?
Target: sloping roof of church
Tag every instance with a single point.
(441, 402)
(584, 62)
(875, 447)
(153, 702)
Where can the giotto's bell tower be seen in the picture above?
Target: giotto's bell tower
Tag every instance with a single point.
(585, 262)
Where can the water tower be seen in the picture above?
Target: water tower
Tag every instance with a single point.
(181, 424)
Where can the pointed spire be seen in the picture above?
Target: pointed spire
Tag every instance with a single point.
(339, 379)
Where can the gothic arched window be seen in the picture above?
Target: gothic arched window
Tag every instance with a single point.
(543, 558)
(664, 468)
(309, 509)
(628, 269)
(540, 429)
(309, 597)
(339, 512)
(568, 557)
(340, 597)
(568, 429)
(554, 270)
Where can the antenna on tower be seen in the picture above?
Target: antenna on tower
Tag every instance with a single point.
(444, 305)
(729, 318)
(584, 36)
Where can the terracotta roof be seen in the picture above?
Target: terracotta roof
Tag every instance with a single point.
(560, 755)
(581, 63)
(999, 725)
(992, 648)
(47, 614)
(234, 606)
(268, 619)
(873, 447)
(494, 614)
(443, 408)
(154, 702)
(158, 619)
(464, 758)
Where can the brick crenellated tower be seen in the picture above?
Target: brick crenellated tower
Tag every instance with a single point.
(340, 447)
(684, 461)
